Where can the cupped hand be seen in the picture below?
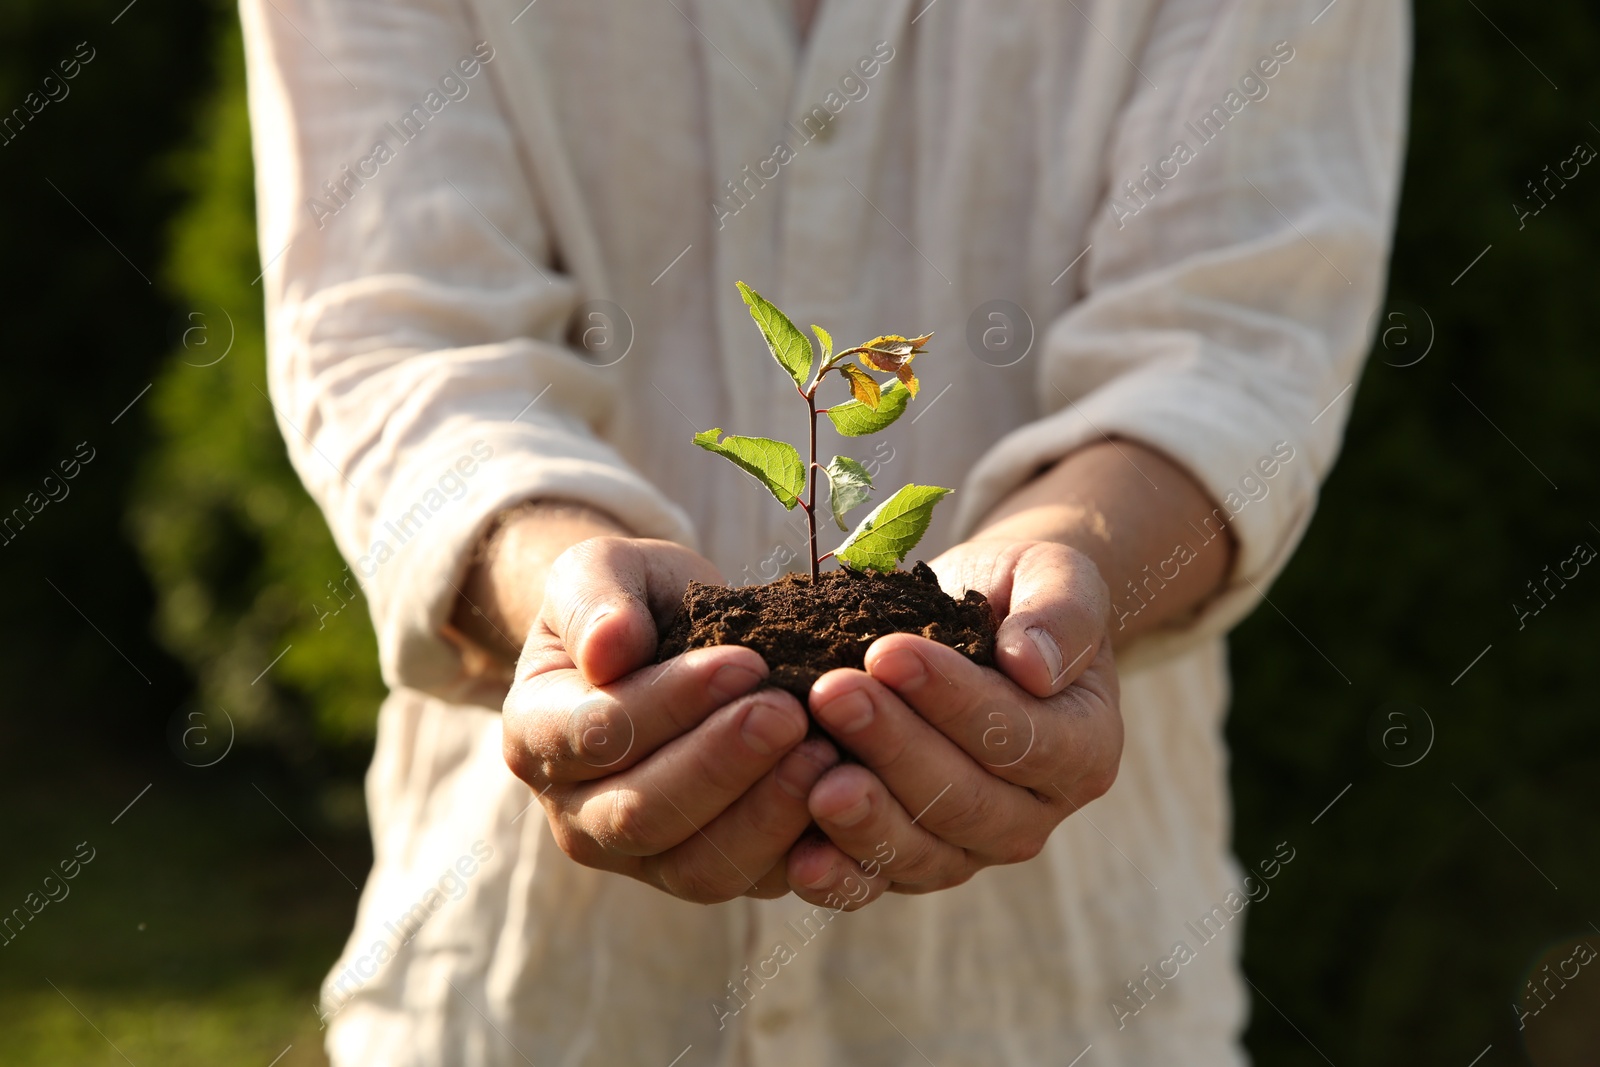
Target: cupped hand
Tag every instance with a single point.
(963, 767)
(684, 774)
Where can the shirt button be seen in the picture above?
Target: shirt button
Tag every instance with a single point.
(825, 135)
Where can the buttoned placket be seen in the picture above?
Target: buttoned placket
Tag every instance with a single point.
(821, 219)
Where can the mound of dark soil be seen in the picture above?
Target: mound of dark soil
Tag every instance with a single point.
(803, 630)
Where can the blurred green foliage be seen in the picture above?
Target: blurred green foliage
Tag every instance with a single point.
(1411, 919)
(243, 563)
(1419, 901)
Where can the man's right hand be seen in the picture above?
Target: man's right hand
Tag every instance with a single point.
(681, 774)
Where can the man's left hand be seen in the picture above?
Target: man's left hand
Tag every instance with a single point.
(963, 766)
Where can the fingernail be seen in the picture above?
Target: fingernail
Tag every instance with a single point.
(593, 622)
(853, 814)
(732, 680)
(769, 727)
(849, 712)
(821, 881)
(800, 770)
(1049, 651)
(901, 669)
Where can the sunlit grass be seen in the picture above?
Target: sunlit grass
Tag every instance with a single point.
(199, 932)
(246, 1024)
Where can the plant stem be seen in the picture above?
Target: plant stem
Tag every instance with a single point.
(811, 492)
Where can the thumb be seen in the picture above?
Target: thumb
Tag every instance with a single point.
(607, 598)
(1055, 620)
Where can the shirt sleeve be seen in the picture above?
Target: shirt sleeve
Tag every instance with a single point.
(416, 326)
(1231, 275)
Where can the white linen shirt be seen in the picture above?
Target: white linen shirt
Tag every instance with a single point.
(528, 291)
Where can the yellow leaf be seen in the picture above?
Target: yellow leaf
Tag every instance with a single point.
(878, 359)
(909, 380)
(891, 350)
(862, 386)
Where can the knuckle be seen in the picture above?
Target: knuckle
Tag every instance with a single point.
(632, 825)
(520, 758)
(920, 863)
(576, 845)
(582, 557)
(730, 765)
(1020, 847)
(691, 881)
(973, 820)
(582, 576)
(1099, 784)
(1040, 765)
(946, 876)
(893, 749)
(777, 821)
(720, 770)
(542, 653)
(958, 876)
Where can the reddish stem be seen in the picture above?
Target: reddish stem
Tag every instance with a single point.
(811, 493)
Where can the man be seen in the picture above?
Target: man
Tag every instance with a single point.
(1148, 236)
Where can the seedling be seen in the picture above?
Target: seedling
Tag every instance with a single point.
(884, 538)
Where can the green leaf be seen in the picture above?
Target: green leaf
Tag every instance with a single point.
(848, 485)
(787, 344)
(775, 464)
(855, 419)
(892, 530)
(825, 340)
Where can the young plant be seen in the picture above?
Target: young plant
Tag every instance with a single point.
(882, 539)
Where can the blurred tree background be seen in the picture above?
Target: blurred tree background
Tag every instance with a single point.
(1432, 758)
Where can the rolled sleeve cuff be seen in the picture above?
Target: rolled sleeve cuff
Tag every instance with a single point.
(1214, 431)
(440, 503)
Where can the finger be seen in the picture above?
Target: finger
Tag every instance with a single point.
(665, 799)
(842, 884)
(606, 598)
(1008, 732)
(878, 839)
(931, 776)
(773, 884)
(737, 853)
(558, 728)
(1053, 619)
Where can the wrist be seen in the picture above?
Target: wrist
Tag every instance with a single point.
(500, 595)
(1125, 507)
